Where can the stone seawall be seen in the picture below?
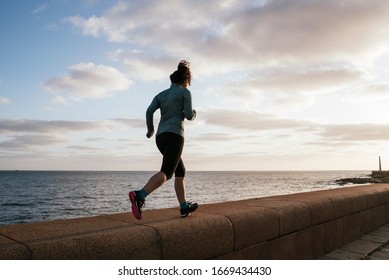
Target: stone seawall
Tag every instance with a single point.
(297, 226)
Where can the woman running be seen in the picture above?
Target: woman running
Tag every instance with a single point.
(175, 104)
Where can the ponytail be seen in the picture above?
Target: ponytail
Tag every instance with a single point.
(182, 73)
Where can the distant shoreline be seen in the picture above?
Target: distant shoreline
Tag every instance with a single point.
(245, 171)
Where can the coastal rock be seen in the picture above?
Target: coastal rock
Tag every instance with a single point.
(359, 181)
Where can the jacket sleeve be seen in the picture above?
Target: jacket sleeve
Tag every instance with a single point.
(150, 113)
(189, 113)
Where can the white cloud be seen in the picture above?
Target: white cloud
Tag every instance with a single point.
(272, 31)
(52, 26)
(39, 9)
(215, 137)
(251, 120)
(149, 69)
(312, 31)
(45, 126)
(84, 148)
(269, 56)
(369, 92)
(131, 123)
(306, 80)
(5, 100)
(87, 80)
(238, 92)
(288, 50)
(91, 3)
(257, 121)
(289, 88)
(141, 21)
(356, 132)
(31, 141)
(59, 100)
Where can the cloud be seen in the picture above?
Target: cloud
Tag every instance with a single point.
(214, 137)
(272, 55)
(356, 132)
(238, 92)
(306, 80)
(369, 92)
(141, 22)
(290, 50)
(52, 26)
(131, 123)
(311, 31)
(251, 120)
(84, 148)
(59, 100)
(27, 142)
(316, 132)
(331, 144)
(4, 100)
(289, 88)
(91, 3)
(87, 80)
(150, 68)
(45, 126)
(39, 9)
(148, 26)
(97, 139)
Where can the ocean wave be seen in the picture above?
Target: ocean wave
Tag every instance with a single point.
(17, 204)
(49, 195)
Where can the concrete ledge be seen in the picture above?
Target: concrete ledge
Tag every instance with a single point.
(297, 226)
(371, 246)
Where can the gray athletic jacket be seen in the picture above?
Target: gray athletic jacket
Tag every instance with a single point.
(175, 104)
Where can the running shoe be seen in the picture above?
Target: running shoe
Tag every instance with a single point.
(191, 208)
(136, 203)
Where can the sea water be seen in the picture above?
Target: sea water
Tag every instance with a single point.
(32, 196)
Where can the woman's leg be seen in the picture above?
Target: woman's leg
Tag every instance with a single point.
(155, 182)
(137, 198)
(170, 146)
(179, 186)
(179, 182)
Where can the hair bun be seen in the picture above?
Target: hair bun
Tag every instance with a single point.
(182, 74)
(183, 65)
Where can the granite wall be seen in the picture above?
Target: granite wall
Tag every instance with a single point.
(296, 226)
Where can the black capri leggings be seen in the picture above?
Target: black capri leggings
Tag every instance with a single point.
(171, 145)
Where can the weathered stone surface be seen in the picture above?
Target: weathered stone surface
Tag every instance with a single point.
(250, 225)
(297, 226)
(284, 248)
(372, 246)
(292, 215)
(85, 238)
(358, 181)
(199, 236)
(134, 242)
(339, 254)
(11, 250)
(320, 206)
(58, 229)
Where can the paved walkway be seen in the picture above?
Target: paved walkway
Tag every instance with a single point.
(372, 246)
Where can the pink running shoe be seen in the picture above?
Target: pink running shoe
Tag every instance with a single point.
(136, 203)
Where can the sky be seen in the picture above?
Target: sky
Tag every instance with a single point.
(277, 85)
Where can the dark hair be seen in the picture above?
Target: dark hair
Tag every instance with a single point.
(182, 73)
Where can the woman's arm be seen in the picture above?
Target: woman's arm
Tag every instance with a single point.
(149, 116)
(190, 114)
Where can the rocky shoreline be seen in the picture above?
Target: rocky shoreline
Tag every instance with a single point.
(376, 177)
